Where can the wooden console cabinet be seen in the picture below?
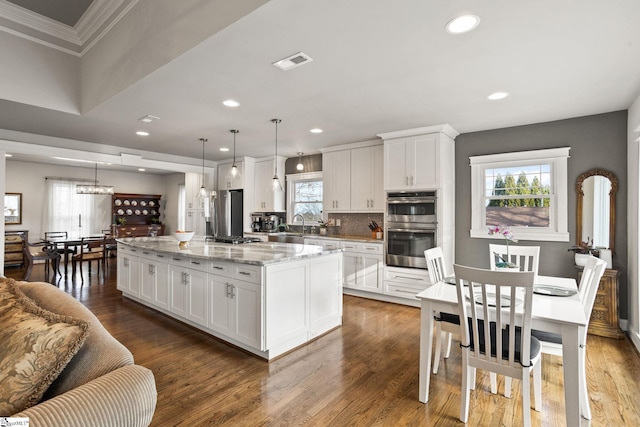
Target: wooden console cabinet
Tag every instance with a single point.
(14, 249)
(604, 315)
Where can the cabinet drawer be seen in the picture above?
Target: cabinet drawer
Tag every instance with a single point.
(220, 268)
(15, 256)
(367, 248)
(402, 290)
(13, 247)
(419, 279)
(248, 273)
(12, 239)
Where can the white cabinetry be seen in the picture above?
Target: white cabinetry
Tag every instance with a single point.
(404, 282)
(367, 192)
(266, 200)
(128, 270)
(362, 266)
(336, 181)
(154, 280)
(188, 295)
(325, 243)
(225, 181)
(195, 221)
(418, 158)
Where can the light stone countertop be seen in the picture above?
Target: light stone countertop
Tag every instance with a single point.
(351, 238)
(259, 253)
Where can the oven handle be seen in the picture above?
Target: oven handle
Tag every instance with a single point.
(409, 201)
(412, 230)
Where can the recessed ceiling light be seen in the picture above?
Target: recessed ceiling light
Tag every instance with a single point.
(142, 133)
(230, 103)
(497, 95)
(8, 155)
(224, 149)
(462, 24)
(141, 169)
(148, 118)
(316, 130)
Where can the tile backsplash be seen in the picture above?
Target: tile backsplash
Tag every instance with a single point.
(354, 224)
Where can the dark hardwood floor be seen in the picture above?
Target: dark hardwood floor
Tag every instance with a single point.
(364, 373)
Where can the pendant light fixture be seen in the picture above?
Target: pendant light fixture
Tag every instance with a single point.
(234, 172)
(300, 166)
(94, 188)
(203, 190)
(275, 185)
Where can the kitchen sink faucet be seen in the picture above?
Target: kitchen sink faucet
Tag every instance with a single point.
(294, 220)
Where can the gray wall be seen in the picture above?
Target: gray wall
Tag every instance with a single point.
(595, 141)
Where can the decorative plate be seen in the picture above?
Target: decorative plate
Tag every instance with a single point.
(153, 212)
(553, 291)
(129, 212)
(118, 202)
(152, 203)
(137, 212)
(120, 212)
(126, 203)
(145, 212)
(134, 203)
(143, 203)
(505, 301)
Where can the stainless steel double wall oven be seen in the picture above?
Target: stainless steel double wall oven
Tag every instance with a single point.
(411, 227)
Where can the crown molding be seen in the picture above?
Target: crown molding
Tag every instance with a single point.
(101, 16)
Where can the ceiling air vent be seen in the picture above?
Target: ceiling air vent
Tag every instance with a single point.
(293, 61)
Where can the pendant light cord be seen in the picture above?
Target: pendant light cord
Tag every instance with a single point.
(275, 160)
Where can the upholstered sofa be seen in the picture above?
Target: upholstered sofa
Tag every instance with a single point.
(98, 386)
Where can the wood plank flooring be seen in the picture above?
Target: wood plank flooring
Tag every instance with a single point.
(362, 374)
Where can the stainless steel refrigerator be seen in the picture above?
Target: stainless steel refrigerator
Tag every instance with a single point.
(229, 213)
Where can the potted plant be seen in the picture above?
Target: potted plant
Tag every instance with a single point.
(583, 251)
(122, 221)
(507, 234)
(323, 226)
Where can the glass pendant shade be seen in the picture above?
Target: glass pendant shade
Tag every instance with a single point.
(276, 186)
(94, 188)
(203, 190)
(234, 172)
(300, 166)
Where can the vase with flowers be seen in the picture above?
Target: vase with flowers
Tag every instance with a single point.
(507, 234)
(323, 226)
(583, 251)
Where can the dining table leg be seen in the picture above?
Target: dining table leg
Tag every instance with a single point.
(570, 367)
(426, 347)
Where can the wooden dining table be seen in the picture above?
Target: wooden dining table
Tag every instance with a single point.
(560, 315)
(73, 243)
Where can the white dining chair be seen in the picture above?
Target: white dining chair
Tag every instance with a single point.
(525, 257)
(439, 270)
(552, 343)
(490, 336)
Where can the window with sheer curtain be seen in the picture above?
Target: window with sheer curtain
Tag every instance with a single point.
(80, 215)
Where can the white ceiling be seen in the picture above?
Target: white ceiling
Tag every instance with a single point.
(379, 66)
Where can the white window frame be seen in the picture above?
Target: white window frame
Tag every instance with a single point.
(558, 230)
(292, 179)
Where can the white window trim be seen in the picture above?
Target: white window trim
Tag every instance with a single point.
(559, 224)
(291, 180)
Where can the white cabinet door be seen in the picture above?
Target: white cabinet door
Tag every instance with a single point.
(370, 273)
(147, 279)
(154, 283)
(129, 273)
(226, 182)
(336, 178)
(367, 192)
(219, 308)
(197, 296)
(247, 310)
(350, 269)
(177, 290)
(411, 162)
(195, 221)
(192, 184)
(266, 200)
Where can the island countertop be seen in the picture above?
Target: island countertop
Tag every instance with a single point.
(259, 253)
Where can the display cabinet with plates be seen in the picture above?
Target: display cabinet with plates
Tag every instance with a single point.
(137, 214)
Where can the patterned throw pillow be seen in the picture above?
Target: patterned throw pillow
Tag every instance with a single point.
(35, 346)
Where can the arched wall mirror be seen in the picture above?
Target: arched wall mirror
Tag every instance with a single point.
(596, 208)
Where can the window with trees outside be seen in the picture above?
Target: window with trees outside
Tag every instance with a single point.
(304, 197)
(525, 191)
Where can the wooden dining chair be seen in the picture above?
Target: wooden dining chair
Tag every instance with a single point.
(448, 323)
(54, 237)
(41, 251)
(110, 246)
(552, 343)
(497, 336)
(91, 249)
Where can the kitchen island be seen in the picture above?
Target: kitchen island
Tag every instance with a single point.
(266, 298)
